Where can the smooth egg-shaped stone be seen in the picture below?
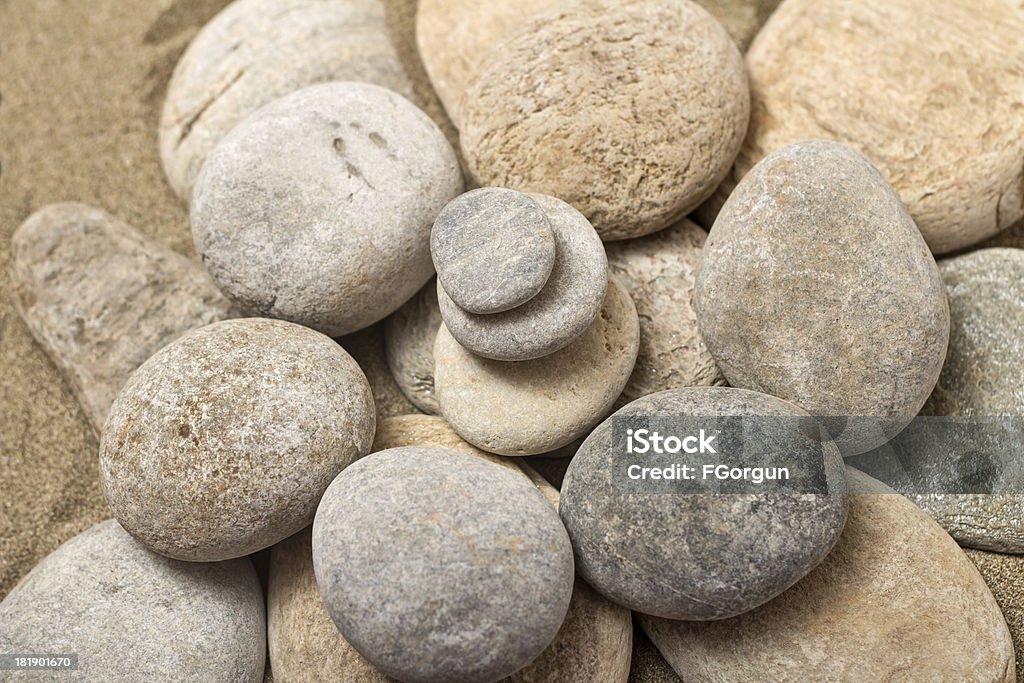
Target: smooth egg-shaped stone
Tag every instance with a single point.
(317, 208)
(895, 600)
(222, 443)
(132, 615)
(816, 287)
(702, 554)
(439, 565)
(255, 51)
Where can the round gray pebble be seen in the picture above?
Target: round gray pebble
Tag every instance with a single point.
(562, 310)
(223, 442)
(317, 208)
(701, 555)
(132, 615)
(409, 343)
(439, 566)
(493, 249)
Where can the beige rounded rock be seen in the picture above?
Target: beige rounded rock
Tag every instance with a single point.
(1004, 575)
(659, 271)
(409, 336)
(932, 93)
(896, 599)
(255, 51)
(367, 349)
(609, 111)
(531, 407)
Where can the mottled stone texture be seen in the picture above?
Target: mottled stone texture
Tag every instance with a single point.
(100, 298)
(223, 442)
(1004, 575)
(409, 336)
(317, 208)
(659, 271)
(559, 314)
(536, 406)
(493, 249)
(367, 348)
(418, 551)
(701, 555)
(931, 92)
(896, 599)
(132, 615)
(816, 287)
(610, 111)
(258, 50)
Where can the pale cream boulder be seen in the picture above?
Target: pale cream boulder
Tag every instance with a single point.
(896, 599)
(931, 92)
(255, 51)
(608, 110)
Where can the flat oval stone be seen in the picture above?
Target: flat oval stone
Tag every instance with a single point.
(609, 110)
(701, 555)
(317, 208)
(938, 105)
(409, 336)
(222, 443)
(896, 599)
(816, 287)
(130, 614)
(555, 317)
(100, 298)
(493, 249)
(255, 51)
(536, 406)
(420, 552)
(659, 271)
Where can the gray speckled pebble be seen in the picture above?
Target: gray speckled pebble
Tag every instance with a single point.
(437, 565)
(409, 336)
(700, 556)
(816, 287)
(100, 298)
(318, 207)
(493, 249)
(132, 615)
(223, 442)
(561, 311)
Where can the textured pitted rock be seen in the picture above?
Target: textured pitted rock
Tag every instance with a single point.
(555, 317)
(659, 271)
(100, 298)
(258, 50)
(409, 336)
(1004, 575)
(536, 406)
(419, 552)
(896, 599)
(367, 348)
(132, 615)
(223, 442)
(493, 249)
(903, 81)
(815, 286)
(609, 110)
(317, 208)
(701, 555)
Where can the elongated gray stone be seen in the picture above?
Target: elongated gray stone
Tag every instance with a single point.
(409, 335)
(100, 298)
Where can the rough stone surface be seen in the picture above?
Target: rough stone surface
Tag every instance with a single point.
(130, 614)
(896, 599)
(932, 93)
(493, 249)
(536, 406)
(816, 287)
(258, 50)
(659, 272)
(317, 208)
(409, 543)
(409, 336)
(367, 348)
(555, 317)
(223, 442)
(609, 110)
(100, 298)
(648, 666)
(1004, 575)
(701, 556)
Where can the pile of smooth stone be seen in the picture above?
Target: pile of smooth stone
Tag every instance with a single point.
(380, 481)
